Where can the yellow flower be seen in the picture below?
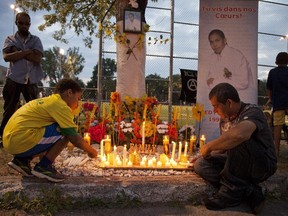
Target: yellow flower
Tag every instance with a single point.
(100, 26)
(198, 112)
(108, 32)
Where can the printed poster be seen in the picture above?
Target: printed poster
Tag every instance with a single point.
(228, 31)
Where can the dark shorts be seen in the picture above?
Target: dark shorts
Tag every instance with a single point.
(51, 136)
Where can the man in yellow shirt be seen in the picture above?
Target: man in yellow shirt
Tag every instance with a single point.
(45, 125)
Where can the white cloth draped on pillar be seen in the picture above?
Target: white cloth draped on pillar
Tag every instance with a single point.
(131, 59)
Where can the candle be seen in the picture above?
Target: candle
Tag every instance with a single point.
(129, 164)
(124, 155)
(166, 144)
(202, 140)
(143, 134)
(159, 164)
(179, 151)
(185, 149)
(142, 163)
(87, 138)
(107, 144)
(173, 150)
(192, 144)
(114, 155)
(150, 163)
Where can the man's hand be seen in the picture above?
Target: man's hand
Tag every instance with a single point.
(227, 73)
(205, 151)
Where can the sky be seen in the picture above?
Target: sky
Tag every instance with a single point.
(272, 22)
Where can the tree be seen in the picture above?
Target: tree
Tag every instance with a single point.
(108, 77)
(81, 16)
(57, 66)
(157, 86)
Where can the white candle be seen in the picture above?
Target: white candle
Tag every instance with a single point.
(102, 148)
(124, 155)
(143, 134)
(173, 150)
(114, 155)
(129, 164)
(180, 150)
(159, 164)
(192, 144)
(142, 163)
(185, 149)
(150, 163)
(202, 140)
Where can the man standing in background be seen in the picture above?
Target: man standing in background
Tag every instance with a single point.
(277, 90)
(24, 51)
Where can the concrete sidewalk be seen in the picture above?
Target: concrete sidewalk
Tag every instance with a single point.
(149, 190)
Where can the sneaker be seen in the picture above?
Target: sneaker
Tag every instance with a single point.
(48, 172)
(22, 166)
(256, 200)
(217, 202)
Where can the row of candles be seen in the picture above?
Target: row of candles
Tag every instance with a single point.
(109, 158)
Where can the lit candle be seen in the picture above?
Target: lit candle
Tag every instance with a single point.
(185, 149)
(192, 144)
(159, 164)
(202, 140)
(129, 164)
(143, 134)
(87, 138)
(166, 144)
(142, 163)
(107, 143)
(114, 155)
(124, 155)
(173, 150)
(179, 151)
(150, 163)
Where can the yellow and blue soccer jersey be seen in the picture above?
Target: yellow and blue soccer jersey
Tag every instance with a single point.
(27, 125)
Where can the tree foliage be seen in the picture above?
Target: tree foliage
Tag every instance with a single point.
(57, 66)
(108, 77)
(80, 16)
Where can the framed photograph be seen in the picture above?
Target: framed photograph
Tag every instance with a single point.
(132, 21)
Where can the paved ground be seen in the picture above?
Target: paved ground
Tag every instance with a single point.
(276, 204)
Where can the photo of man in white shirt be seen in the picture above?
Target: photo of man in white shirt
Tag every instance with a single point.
(227, 64)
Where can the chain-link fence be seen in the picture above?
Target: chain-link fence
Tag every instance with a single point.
(185, 51)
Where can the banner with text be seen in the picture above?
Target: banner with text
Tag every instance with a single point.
(227, 53)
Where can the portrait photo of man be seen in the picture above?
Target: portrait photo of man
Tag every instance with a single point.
(132, 21)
